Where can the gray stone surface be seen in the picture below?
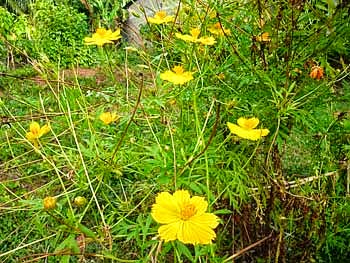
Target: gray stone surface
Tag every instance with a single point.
(138, 12)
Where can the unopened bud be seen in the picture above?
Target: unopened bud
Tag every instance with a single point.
(80, 201)
(49, 203)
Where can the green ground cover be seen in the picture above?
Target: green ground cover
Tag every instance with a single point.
(85, 187)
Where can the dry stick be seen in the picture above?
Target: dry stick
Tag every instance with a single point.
(131, 119)
(68, 83)
(173, 24)
(244, 250)
(296, 183)
(217, 118)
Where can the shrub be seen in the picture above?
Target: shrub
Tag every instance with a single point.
(59, 31)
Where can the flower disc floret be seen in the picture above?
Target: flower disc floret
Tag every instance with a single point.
(246, 129)
(184, 218)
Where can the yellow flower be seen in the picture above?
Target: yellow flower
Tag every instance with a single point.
(194, 37)
(35, 131)
(49, 202)
(108, 117)
(216, 29)
(263, 38)
(246, 129)
(177, 75)
(184, 218)
(160, 17)
(102, 36)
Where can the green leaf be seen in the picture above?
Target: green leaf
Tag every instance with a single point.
(87, 231)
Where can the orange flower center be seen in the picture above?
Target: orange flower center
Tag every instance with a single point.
(178, 70)
(101, 32)
(187, 211)
(160, 14)
(248, 124)
(35, 131)
(217, 26)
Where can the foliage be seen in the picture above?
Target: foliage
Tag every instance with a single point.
(58, 32)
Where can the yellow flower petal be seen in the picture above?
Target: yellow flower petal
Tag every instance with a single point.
(108, 117)
(34, 127)
(177, 75)
(196, 232)
(200, 204)
(166, 209)
(208, 219)
(182, 197)
(216, 29)
(102, 36)
(207, 41)
(160, 17)
(45, 129)
(169, 232)
(186, 38)
(30, 136)
(250, 134)
(250, 123)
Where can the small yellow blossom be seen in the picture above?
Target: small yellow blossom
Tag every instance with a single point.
(216, 29)
(263, 38)
(49, 203)
(184, 218)
(246, 129)
(35, 131)
(194, 37)
(160, 17)
(177, 75)
(102, 36)
(108, 117)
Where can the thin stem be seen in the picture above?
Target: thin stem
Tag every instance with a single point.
(131, 119)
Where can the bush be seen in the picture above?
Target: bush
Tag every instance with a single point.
(58, 33)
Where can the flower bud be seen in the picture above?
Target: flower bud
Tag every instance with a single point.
(49, 203)
(80, 201)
